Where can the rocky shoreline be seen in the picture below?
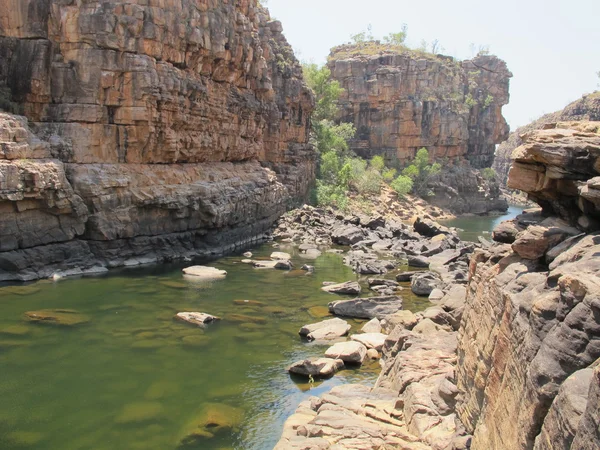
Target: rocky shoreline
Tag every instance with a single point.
(508, 356)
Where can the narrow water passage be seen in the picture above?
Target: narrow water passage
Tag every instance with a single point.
(132, 378)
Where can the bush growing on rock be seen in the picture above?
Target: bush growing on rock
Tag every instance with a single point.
(402, 185)
(420, 172)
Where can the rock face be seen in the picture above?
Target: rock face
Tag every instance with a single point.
(153, 132)
(559, 168)
(586, 108)
(528, 340)
(402, 100)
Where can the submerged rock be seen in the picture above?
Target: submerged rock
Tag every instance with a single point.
(213, 420)
(60, 317)
(196, 318)
(139, 412)
(325, 330)
(316, 367)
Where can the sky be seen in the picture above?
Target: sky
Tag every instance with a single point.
(552, 47)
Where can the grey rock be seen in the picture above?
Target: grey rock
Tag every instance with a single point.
(367, 308)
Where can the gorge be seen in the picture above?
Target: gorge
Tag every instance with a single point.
(161, 134)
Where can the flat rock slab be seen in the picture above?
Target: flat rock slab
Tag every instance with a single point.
(367, 308)
(316, 367)
(209, 273)
(370, 340)
(281, 256)
(350, 352)
(327, 329)
(196, 318)
(58, 317)
(349, 288)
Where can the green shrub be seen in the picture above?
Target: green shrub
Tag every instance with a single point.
(389, 175)
(488, 173)
(402, 185)
(369, 182)
(329, 195)
(377, 163)
(420, 172)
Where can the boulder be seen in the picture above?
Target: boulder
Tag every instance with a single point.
(349, 352)
(382, 282)
(325, 330)
(367, 308)
(347, 235)
(205, 272)
(418, 261)
(506, 232)
(429, 228)
(425, 282)
(370, 340)
(536, 240)
(196, 318)
(372, 326)
(436, 295)
(316, 367)
(349, 287)
(406, 276)
(284, 265)
(403, 319)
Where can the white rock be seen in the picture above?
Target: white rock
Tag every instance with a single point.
(370, 340)
(349, 352)
(372, 326)
(247, 255)
(196, 318)
(281, 256)
(316, 367)
(209, 273)
(325, 330)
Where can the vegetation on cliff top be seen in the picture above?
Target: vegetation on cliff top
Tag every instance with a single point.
(341, 173)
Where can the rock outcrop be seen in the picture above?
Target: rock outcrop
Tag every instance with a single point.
(152, 131)
(530, 334)
(400, 100)
(586, 108)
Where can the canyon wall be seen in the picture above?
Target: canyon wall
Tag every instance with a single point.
(401, 100)
(151, 131)
(529, 340)
(586, 108)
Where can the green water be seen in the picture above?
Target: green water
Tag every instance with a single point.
(471, 227)
(133, 378)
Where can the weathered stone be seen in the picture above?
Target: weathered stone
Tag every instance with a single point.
(151, 144)
(58, 317)
(367, 308)
(349, 352)
(418, 261)
(204, 272)
(370, 340)
(196, 318)
(535, 241)
(424, 283)
(282, 256)
(316, 367)
(325, 330)
(349, 287)
(372, 326)
(347, 235)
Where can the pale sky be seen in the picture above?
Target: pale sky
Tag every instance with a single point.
(552, 47)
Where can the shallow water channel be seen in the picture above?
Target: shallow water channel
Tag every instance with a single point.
(133, 378)
(471, 227)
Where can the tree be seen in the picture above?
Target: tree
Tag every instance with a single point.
(420, 172)
(327, 91)
(402, 185)
(397, 38)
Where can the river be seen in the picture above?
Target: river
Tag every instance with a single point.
(133, 378)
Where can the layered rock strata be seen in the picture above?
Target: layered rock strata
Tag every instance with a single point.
(510, 360)
(152, 131)
(401, 100)
(586, 108)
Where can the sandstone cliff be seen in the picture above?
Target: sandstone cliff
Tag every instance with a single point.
(586, 108)
(402, 100)
(153, 130)
(530, 335)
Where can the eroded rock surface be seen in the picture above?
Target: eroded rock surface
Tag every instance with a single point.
(154, 133)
